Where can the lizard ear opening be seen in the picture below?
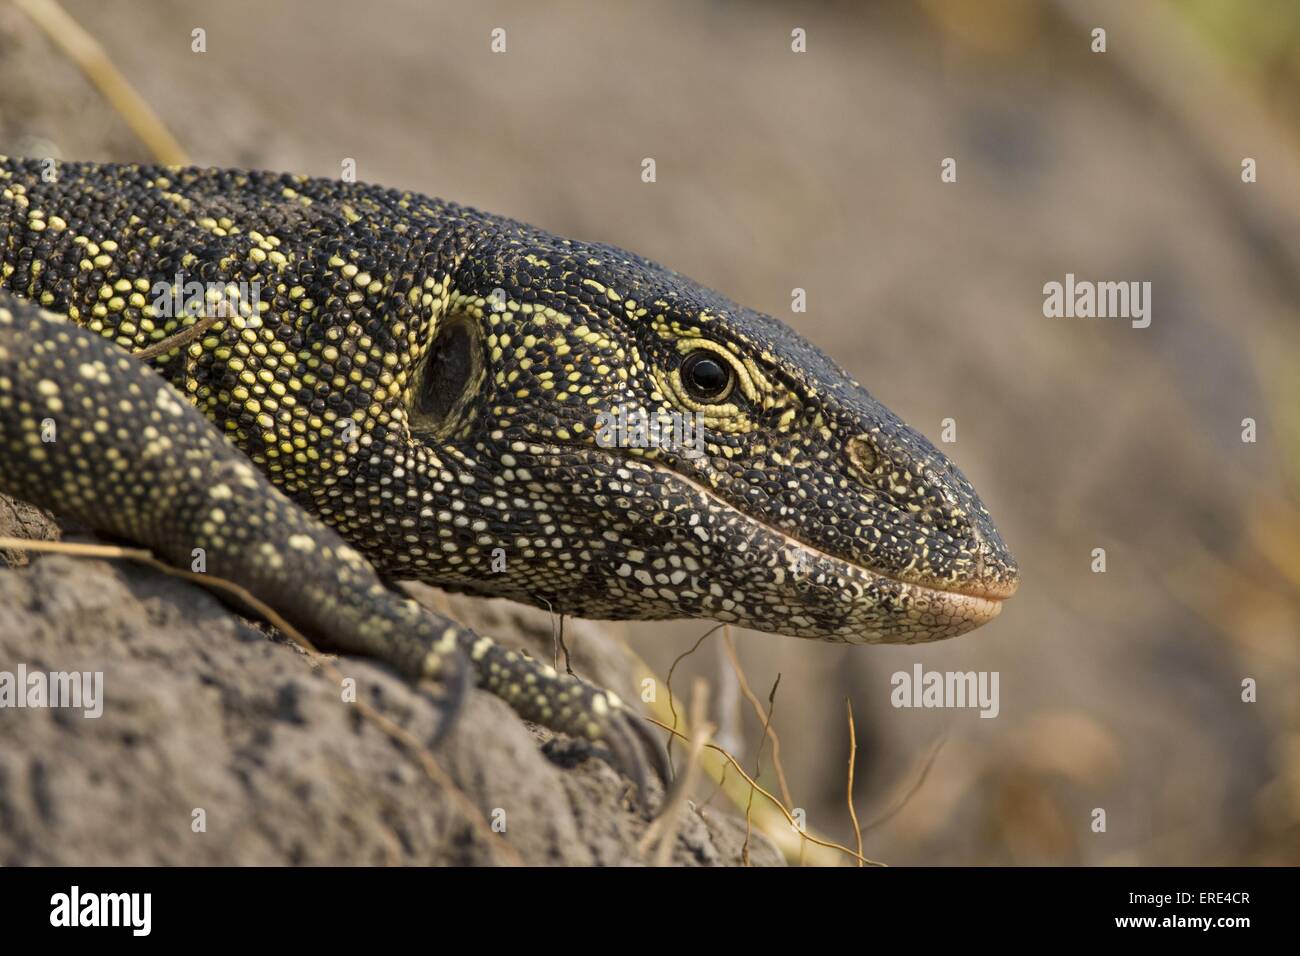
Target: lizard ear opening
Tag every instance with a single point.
(448, 379)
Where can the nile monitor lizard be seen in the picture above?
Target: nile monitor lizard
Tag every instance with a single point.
(397, 387)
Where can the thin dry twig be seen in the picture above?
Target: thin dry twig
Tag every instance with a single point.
(853, 754)
(668, 686)
(772, 820)
(911, 791)
(727, 706)
(400, 735)
(87, 53)
(558, 644)
(663, 831)
(769, 729)
(758, 770)
(182, 338)
(828, 844)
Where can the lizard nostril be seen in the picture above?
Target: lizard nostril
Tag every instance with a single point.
(862, 454)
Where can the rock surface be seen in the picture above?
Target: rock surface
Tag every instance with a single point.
(205, 711)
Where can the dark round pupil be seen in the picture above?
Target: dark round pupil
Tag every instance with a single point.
(705, 374)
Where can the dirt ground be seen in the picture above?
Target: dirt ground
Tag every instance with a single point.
(1120, 690)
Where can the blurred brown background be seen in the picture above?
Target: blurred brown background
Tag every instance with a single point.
(820, 170)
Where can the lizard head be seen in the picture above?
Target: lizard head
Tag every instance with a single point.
(629, 444)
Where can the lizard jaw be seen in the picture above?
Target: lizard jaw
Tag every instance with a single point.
(884, 609)
(761, 577)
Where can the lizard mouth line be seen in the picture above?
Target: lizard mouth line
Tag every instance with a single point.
(979, 594)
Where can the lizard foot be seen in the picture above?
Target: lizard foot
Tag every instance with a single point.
(539, 693)
(448, 690)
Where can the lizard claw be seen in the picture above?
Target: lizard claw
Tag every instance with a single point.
(629, 747)
(622, 750)
(658, 753)
(449, 691)
(564, 703)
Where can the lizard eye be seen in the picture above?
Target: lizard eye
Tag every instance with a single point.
(707, 377)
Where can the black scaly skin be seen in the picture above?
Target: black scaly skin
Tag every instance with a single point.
(424, 381)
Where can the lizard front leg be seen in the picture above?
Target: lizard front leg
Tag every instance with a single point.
(93, 434)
